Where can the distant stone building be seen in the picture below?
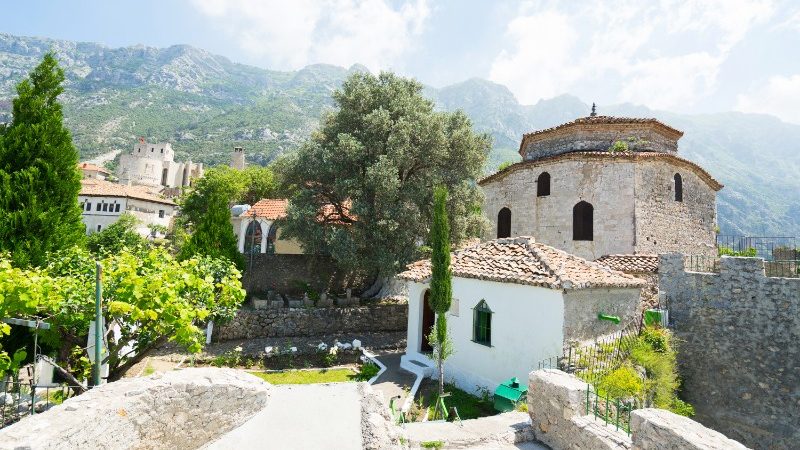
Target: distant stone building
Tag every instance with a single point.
(237, 158)
(604, 185)
(90, 170)
(102, 203)
(153, 165)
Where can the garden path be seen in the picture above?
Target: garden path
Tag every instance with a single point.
(310, 416)
(394, 381)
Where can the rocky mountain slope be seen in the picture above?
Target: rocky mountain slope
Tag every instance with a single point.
(205, 104)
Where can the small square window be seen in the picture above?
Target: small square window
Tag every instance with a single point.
(161, 213)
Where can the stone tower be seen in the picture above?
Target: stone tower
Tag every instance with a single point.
(603, 185)
(237, 158)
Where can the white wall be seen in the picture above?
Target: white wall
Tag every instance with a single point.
(145, 211)
(527, 327)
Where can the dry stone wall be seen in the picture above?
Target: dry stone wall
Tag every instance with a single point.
(176, 410)
(739, 348)
(288, 322)
(286, 274)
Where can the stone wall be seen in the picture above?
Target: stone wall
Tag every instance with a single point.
(286, 273)
(633, 200)
(176, 410)
(581, 307)
(557, 407)
(739, 348)
(288, 322)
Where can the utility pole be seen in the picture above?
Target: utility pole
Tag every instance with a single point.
(98, 319)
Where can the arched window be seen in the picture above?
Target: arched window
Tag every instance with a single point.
(583, 222)
(482, 324)
(271, 237)
(543, 185)
(504, 223)
(252, 238)
(678, 187)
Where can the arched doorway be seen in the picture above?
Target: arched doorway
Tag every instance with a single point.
(583, 221)
(271, 238)
(252, 238)
(504, 223)
(428, 320)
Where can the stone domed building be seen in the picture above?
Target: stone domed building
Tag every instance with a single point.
(603, 185)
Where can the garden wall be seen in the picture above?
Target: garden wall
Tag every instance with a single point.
(557, 407)
(738, 338)
(286, 273)
(288, 322)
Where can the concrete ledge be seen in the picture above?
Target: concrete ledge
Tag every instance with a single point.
(658, 429)
(176, 410)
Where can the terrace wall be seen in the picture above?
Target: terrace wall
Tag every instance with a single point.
(738, 336)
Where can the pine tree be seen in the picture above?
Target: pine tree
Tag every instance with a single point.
(441, 294)
(213, 233)
(39, 179)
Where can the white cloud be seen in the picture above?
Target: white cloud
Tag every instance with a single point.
(780, 96)
(664, 55)
(291, 34)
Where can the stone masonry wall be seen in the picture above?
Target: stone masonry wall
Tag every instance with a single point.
(664, 225)
(179, 410)
(289, 322)
(739, 348)
(557, 407)
(594, 138)
(283, 274)
(581, 307)
(607, 185)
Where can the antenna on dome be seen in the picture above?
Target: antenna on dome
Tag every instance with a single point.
(594, 110)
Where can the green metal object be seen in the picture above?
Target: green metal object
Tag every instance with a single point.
(652, 316)
(614, 319)
(98, 318)
(508, 395)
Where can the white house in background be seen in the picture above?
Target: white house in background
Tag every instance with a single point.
(90, 170)
(103, 202)
(257, 231)
(154, 165)
(515, 303)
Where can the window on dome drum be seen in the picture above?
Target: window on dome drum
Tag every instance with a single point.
(583, 222)
(482, 324)
(543, 185)
(504, 223)
(678, 187)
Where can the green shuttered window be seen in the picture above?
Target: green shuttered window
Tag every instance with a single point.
(482, 324)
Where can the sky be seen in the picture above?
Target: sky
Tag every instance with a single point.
(682, 56)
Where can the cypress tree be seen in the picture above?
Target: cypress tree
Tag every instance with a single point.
(39, 179)
(213, 233)
(441, 282)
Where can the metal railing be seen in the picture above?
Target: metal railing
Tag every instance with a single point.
(772, 268)
(612, 411)
(19, 400)
(782, 269)
(767, 247)
(590, 362)
(701, 263)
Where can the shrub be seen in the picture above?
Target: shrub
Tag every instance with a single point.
(656, 338)
(682, 408)
(367, 371)
(749, 252)
(618, 147)
(623, 382)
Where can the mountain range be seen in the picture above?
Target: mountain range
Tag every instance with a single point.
(205, 104)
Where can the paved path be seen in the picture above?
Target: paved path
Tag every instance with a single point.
(504, 431)
(310, 416)
(394, 381)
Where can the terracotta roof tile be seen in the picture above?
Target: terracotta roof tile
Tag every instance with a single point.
(95, 188)
(630, 263)
(620, 156)
(90, 166)
(522, 261)
(269, 208)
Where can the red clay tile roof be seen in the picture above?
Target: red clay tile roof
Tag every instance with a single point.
(100, 188)
(619, 156)
(630, 263)
(269, 208)
(522, 261)
(90, 166)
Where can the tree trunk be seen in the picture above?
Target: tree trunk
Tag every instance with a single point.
(75, 385)
(117, 372)
(441, 374)
(375, 289)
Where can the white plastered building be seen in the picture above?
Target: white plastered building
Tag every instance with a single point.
(257, 231)
(103, 202)
(515, 303)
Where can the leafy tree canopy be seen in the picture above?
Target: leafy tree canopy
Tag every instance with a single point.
(371, 168)
(149, 298)
(117, 236)
(39, 180)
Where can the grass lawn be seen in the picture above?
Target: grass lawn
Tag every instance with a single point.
(468, 405)
(310, 376)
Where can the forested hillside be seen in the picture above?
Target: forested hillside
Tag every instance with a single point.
(205, 104)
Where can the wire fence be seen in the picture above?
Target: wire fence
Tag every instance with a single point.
(612, 411)
(19, 399)
(591, 361)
